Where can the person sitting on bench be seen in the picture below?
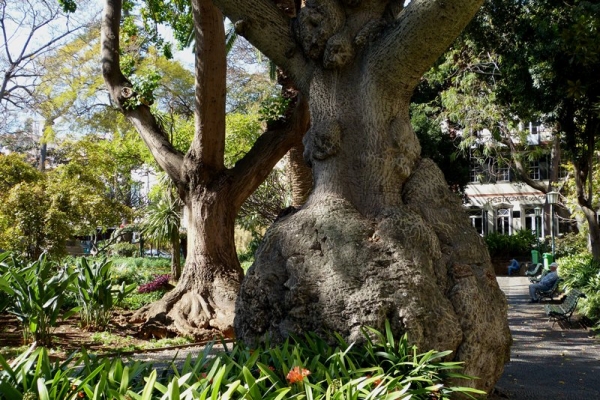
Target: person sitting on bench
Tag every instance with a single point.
(514, 267)
(544, 284)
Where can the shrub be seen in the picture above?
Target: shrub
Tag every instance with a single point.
(138, 270)
(521, 243)
(160, 282)
(135, 301)
(124, 249)
(297, 369)
(36, 295)
(571, 244)
(96, 292)
(581, 271)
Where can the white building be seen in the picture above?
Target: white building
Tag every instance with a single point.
(498, 202)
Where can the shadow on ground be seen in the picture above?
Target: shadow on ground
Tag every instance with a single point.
(548, 360)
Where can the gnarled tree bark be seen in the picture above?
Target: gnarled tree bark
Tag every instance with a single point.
(202, 303)
(381, 236)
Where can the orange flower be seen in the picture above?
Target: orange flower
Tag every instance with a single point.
(81, 394)
(296, 374)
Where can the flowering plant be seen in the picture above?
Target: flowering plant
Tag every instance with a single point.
(159, 282)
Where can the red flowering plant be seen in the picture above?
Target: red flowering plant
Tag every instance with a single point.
(296, 375)
(159, 282)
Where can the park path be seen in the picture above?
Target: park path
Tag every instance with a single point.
(547, 362)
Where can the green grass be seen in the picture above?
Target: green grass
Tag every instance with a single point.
(135, 301)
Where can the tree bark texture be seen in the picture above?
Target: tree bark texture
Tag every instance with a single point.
(381, 235)
(203, 302)
(175, 256)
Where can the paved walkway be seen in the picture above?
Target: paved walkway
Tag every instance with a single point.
(547, 362)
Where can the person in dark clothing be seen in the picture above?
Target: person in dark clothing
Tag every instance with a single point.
(514, 267)
(544, 284)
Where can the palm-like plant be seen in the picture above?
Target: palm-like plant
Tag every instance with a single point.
(162, 223)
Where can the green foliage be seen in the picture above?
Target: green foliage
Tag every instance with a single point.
(36, 293)
(307, 368)
(96, 292)
(135, 301)
(33, 374)
(273, 109)
(242, 131)
(582, 272)
(571, 244)
(521, 243)
(138, 270)
(68, 6)
(162, 218)
(123, 249)
(14, 170)
(144, 84)
(441, 147)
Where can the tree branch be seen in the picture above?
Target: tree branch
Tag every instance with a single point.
(269, 29)
(249, 172)
(522, 171)
(208, 146)
(169, 159)
(423, 31)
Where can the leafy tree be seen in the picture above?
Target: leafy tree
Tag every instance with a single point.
(547, 53)
(40, 212)
(380, 234)
(30, 30)
(14, 170)
(212, 193)
(441, 147)
(30, 225)
(162, 222)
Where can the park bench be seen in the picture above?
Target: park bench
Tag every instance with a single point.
(564, 311)
(550, 293)
(534, 272)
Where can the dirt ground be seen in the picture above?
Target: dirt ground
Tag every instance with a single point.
(68, 336)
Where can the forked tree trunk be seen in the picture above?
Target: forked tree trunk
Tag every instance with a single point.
(381, 236)
(203, 301)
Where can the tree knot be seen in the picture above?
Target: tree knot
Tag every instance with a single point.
(322, 141)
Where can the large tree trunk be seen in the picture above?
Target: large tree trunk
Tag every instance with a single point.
(202, 303)
(584, 187)
(381, 235)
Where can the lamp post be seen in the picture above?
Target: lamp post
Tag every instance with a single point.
(552, 200)
(487, 207)
(538, 214)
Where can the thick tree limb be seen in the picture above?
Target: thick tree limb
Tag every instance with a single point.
(269, 29)
(169, 159)
(208, 147)
(424, 30)
(253, 168)
(522, 171)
